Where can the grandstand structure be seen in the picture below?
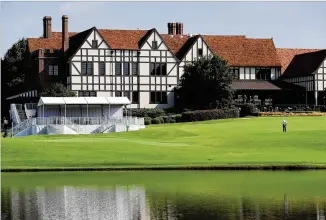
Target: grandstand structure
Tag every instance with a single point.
(73, 115)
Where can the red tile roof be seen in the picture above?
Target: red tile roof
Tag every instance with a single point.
(174, 43)
(242, 51)
(237, 50)
(44, 43)
(123, 39)
(286, 55)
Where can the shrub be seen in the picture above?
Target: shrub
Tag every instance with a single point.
(178, 118)
(169, 119)
(323, 108)
(248, 109)
(142, 113)
(203, 115)
(148, 121)
(161, 120)
(156, 121)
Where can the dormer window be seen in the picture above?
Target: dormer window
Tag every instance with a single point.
(200, 52)
(94, 44)
(154, 45)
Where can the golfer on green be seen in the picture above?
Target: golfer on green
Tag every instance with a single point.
(284, 124)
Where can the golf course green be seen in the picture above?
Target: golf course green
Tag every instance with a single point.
(252, 142)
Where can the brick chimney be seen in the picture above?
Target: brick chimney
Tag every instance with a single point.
(170, 30)
(65, 35)
(175, 28)
(181, 28)
(47, 27)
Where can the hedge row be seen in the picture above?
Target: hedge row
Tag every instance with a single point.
(199, 115)
(143, 113)
(292, 113)
(204, 115)
(163, 120)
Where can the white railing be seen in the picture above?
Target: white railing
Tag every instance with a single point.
(71, 125)
(14, 114)
(104, 126)
(74, 122)
(21, 126)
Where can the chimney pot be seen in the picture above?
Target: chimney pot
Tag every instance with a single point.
(174, 28)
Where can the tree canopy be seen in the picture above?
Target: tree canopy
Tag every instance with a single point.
(13, 68)
(206, 83)
(57, 90)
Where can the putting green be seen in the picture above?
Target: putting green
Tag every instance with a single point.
(233, 142)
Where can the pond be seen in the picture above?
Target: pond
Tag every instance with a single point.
(160, 195)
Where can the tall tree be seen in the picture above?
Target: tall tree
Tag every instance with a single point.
(57, 90)
(13, 71)
(13, 67)
(206, 83)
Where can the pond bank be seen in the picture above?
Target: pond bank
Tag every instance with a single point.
(263, 167)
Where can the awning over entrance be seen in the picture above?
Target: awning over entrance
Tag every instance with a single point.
(253, 85)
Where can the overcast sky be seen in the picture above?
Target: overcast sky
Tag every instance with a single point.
(290, 24)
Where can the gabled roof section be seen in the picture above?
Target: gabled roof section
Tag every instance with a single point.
(148, 34)
(286, 55)
(143, 40)
(305, 64)
(76, 41)
(186, 47)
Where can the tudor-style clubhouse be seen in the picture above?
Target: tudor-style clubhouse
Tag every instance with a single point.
(145, 66)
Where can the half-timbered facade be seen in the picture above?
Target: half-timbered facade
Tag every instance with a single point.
(308, 70)
(145, 73)
(146, 66)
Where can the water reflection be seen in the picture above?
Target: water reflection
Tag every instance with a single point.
(74, 203)
(132, 203)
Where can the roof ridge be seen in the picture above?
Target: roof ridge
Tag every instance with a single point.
(209, 35)
(287, 48)
(257, 38)
(125, 29)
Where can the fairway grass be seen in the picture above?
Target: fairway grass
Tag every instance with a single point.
(252, 143)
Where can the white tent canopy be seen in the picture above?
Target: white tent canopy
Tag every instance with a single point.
(84, 101)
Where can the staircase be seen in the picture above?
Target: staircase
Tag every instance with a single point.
(72, 125)
(22, 114)
(103, 127)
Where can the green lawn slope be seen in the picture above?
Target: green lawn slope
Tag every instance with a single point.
(255, 142)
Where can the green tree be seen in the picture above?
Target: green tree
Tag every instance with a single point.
(57, 90)
(13, 69)
(206, 83)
